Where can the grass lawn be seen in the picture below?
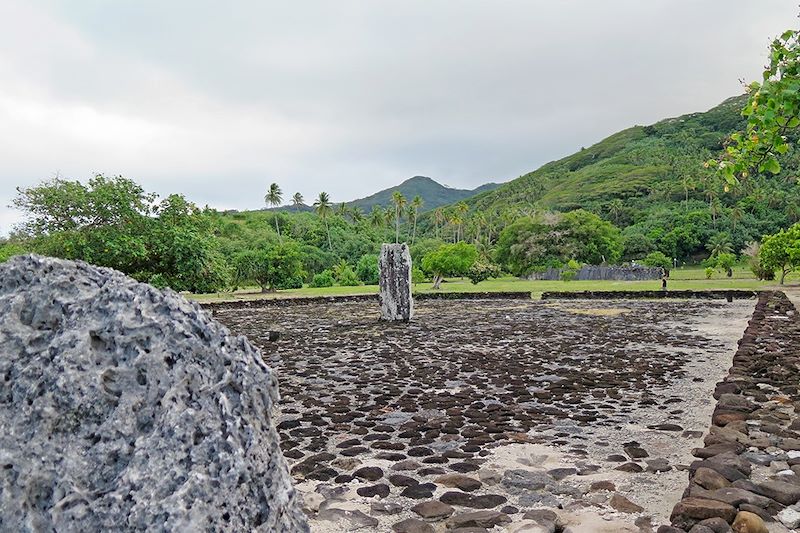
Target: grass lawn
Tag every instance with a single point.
(692, 278)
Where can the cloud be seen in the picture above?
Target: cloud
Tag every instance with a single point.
(216, 101)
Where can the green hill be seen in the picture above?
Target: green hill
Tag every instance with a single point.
(631, 165)
(432, 192)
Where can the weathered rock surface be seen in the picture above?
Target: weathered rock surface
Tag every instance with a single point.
(395, 283)
(127, 408)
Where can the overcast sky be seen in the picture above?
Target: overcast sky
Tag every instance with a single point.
(218, 99)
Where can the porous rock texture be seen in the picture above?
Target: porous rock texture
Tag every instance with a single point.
(124, 407)
(397, 303)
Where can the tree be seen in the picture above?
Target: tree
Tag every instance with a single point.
(449, 260)
(416, 205)
(297, 200)
(590, 239)
(719, 244)
(323, 208)
(274, 197)
(482, 270)
(399, 202)
(725, 261)
(376, 219)
(781, 251)
(772, 112)
(658, 259)
(344, 274)
(272, 268)
(367, 269)
(438, 219)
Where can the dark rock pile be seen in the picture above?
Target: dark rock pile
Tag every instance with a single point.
(748, 473)
(126, 408)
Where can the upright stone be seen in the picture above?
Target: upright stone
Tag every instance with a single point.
(395, 282)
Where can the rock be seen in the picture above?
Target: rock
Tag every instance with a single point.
(633, 468)
(419, 492)
(386, 508)
(689, 511)
(736, 497)
(789, 517)
(458, 481)
(525, 479)
(623, 504)
(397, 304)
(636, 452)
(487, 519)
(433, 510)
(347, 519)
(541, 515)
(399, 480)
(658, 465)
(710, 479)
(785, 493)
(121, 403)
(717, 525)
(560, 473)
(748, 523)
(698, 528)
(603, 485)
(412, 525)
(369, 473)
(669, 529)
(381, 490)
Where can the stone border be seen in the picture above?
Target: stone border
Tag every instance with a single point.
(305, 300)
(748, 472)
(729, 295)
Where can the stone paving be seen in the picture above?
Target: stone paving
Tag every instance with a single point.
(398, 427)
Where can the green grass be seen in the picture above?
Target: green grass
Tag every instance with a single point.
(680, 279)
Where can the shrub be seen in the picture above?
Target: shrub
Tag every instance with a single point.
(323, 279)
(657, 259)
(367, 269)
(709, 272)
(482, 270)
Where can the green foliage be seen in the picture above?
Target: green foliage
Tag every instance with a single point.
(725, 261)
(570, 270)
(772, 112)
(531, 244)
(323, 279)
(781, 251)
(449, 260)
(367, 269)
(9, 250)
(658, 259)
(709, 272)
(482, 270)
(277, 267)
(344, 275)
(417, 275)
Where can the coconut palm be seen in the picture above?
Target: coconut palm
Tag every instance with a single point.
(376, 216)
(416, 205)
(356, 214)
(273, 198)
(461, 211)
(322, 206)
(438, 219)
(399, 202)
(297, 200)
(719, 244)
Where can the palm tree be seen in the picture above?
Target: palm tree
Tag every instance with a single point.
(343, 210)
(323, 208)
(416, 205)
(438, 219)
(356, 214)
(376, 216)
(274, 197)
(615, 208)
(297, 200)
(688, 185)
(399, 202)
(736, 215)
(719, 244)
(461, 211)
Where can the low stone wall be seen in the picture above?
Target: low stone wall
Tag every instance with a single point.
(624, 295)
(305, 300)
(600, 272)
(748, 472)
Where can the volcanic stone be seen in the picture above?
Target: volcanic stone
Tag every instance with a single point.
(122, 402)
(459, 481)
(433, 510)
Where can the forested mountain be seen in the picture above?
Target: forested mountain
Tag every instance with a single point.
(651, 182)
(433, 194)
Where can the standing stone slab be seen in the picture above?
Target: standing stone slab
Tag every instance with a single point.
(127, 408)
(395, 283)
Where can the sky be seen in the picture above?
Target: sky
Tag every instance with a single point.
(216, 100)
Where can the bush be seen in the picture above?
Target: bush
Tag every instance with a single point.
(367, 269)
(344, 275)
(323, 279)
(709, 272)
(570, 270)
(657, 259)
(725, 261)
(417, 275)
(482, 270)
